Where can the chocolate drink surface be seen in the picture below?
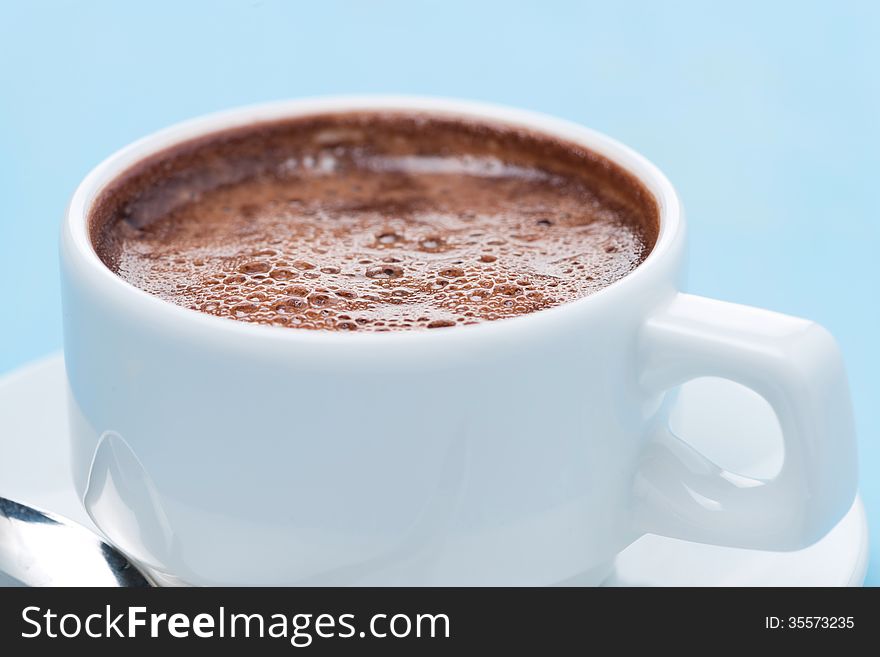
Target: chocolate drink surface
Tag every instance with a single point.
(374, 221)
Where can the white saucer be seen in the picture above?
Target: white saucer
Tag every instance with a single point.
(730, 424)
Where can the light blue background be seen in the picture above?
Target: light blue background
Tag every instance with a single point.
(766, 115)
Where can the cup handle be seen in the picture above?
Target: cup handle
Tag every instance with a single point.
(796, 366)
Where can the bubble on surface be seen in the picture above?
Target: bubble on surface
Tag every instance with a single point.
(432, 243)
(290, 305)
(319, 299)
(282, 274)
(388, 238)
(508, 290)
(244, 309)
(256, 267)
(440, 323)
(337, 241)
(385, 271)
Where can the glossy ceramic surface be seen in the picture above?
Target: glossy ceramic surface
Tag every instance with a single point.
(729, 423)
(524, 451)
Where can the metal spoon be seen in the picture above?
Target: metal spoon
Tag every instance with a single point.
(42, 549)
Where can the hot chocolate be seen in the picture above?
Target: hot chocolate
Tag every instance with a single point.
(374, 222)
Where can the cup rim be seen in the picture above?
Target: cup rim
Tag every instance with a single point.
(77, 245)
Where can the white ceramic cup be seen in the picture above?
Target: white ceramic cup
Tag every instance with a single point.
(525, 451)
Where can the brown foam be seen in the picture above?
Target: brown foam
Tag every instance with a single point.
(374, 221)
